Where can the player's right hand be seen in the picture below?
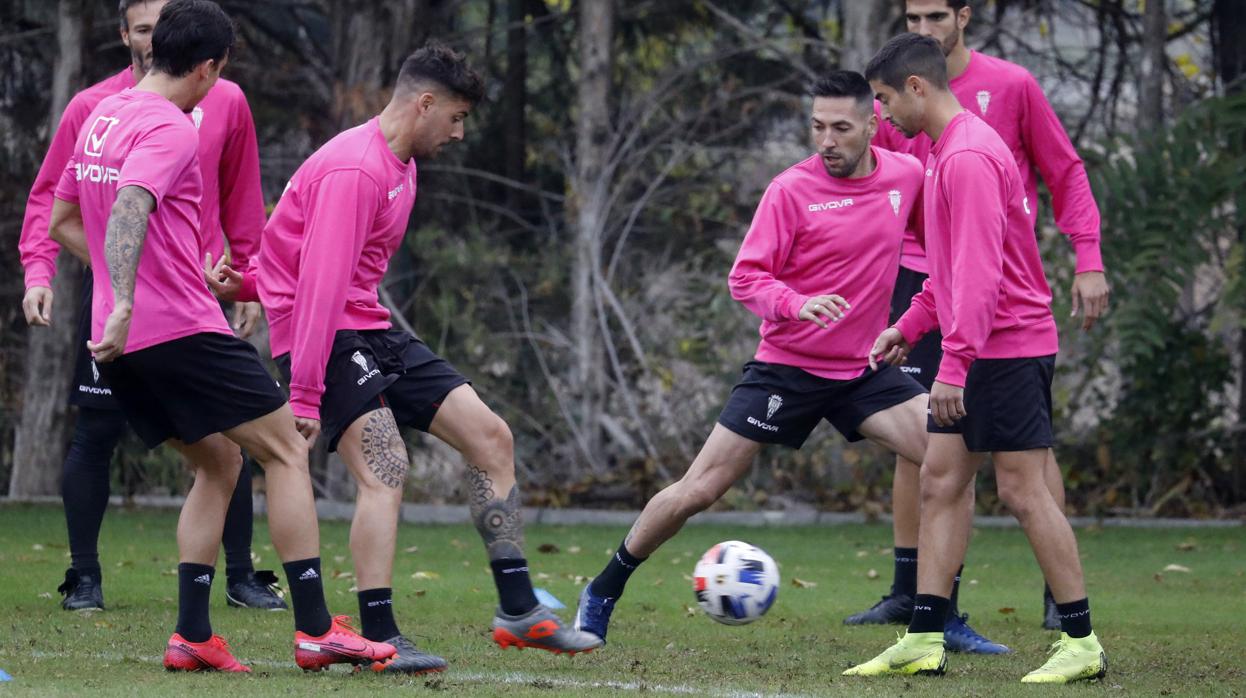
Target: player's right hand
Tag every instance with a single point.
(830, 306)
(37, 305)
(889, 348)
(116, 332)
(309, 428)
(222, 279)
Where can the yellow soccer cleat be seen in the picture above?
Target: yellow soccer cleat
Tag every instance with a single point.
(915, 653)
(1072, 659)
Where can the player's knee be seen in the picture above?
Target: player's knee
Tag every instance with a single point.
(497, 445)
(1017, 497)
(938, 486)
(695, 497)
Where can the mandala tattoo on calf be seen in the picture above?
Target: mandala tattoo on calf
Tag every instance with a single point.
(383, 449)
(498, 520)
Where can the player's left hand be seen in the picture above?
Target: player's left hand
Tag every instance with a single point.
(116, 332)
(1090, 295)
(947, 403)
(246, 318)
(222, 279)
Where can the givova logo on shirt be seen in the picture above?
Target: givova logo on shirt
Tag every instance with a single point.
(94, 144)
(830, 205)
(362, 362)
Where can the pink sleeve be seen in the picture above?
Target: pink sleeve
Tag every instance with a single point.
(242, 200)
(340, 210)
(762, 255)
(38, 251)
(159, 157)
(1049, 148)
(978, 191)
(921, 317)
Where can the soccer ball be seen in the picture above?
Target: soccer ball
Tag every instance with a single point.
(735, 582)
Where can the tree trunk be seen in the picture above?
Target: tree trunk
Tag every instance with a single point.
(368, 52)
(587, 201)
(867, 24)
(1154, 67)
(43, 429)
(514, 101)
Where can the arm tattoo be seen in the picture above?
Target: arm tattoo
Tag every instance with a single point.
(499, 521)
(123, 242)
(383, 448)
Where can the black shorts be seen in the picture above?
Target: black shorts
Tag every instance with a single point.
(192, 387)
(923, 361)
(368, 369)
(777, 404)
(1007, 405)
(89, 388)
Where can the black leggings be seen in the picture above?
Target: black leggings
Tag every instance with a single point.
(85, 488)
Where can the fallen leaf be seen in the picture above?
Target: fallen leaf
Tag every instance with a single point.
(573, 549)
(1159, 577)
(36, 546)
(548, 548)
(339, 559)
(657, 582)
(973, 582)
(1007, 610)
(419, 592)
(687, 578)
(872, 574)
(802, 584)
(412, 549)
(861, 553)
(1187, 546)
(339, 574)
(1177, 568)
(353, 589)
(690, 611)
(46, 595)
(425, 575)
(542, 576)
(456, 543)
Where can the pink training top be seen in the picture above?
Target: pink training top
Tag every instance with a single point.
(139, 138)
(986, 290)
(326, 248)
(228, 158)
(1007, 97)
(814, 234)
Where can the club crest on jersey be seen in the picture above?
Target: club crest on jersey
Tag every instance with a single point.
(94, 144)
(894, 197)
(196, 115)
(773, 405)
(984, 101)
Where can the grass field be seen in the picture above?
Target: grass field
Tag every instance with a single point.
(1166, 632)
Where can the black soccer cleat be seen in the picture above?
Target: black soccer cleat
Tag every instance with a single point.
(257, 590)
(411, 659)
(83, 592)
(892, 608)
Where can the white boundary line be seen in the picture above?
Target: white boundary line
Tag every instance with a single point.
(513, 678)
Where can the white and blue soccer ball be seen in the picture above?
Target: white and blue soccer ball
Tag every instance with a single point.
(735, 583)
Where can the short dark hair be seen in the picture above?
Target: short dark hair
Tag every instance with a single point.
(437, 63)
(905, 55)
(188, 33)
(844, 83)
(955, 5)
(123, 8)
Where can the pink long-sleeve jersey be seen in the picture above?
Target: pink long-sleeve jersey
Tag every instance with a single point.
(233, 203)
(1006, 96)
(326, 248)
(986, 291)
(814, 234)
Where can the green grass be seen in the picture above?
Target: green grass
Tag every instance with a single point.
(1166, 633)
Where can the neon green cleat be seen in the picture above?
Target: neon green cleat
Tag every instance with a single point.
(915, 653)
(1072, 659)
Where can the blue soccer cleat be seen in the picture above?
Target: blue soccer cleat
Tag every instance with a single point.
(959, 637)
(593, 613)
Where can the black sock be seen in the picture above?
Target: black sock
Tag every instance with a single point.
(954, 607)
(614, 577)
(905, 580)
(1075, 617)
(311, 615)
(194, 591)
(929, 613)
(85, 483)
(376, 612)
(515, 593)
(236, 537)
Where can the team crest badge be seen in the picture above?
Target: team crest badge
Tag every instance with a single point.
(196, 115)
(894, 197)
(95, 372)
(773, 406)
(360, 361)
(984, 101)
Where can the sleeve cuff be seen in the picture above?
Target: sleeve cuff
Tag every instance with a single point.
(249, 293)
(305, 403)
(40, 275)
(794, 303)
(953, 369)
(909, 329)
(1089, 257)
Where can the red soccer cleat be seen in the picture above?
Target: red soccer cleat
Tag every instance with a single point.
(340, 645)
(211, 655)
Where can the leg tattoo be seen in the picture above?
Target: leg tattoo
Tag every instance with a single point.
(498, 520)
(383, 448)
